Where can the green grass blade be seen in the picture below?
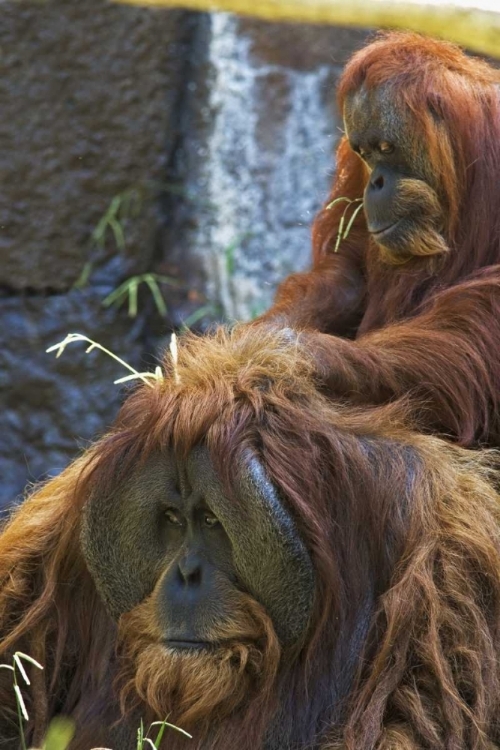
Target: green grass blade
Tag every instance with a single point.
(157, 295)
(352, 220)
(132, 297)
(118, 233)
(197, 315)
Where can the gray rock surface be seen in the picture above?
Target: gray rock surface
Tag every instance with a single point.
(88, 94)
(221, 129)
(257, 156)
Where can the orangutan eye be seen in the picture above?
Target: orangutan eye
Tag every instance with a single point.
(386, 148)
(358, 150)
(210, 520)
(173, 517)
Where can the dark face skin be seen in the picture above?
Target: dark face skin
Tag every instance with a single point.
(200, 568)
(400, 199)
(172, 528)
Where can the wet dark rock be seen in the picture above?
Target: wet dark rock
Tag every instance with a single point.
(50, 408)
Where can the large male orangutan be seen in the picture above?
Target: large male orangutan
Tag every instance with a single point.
(409, 302)
(269, 570)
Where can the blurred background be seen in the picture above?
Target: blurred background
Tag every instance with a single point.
(160, 169)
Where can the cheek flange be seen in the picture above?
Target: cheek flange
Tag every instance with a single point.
(119, 538)
(269, 556)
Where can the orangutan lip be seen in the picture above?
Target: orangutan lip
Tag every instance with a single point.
(379, 232)
(188, 644)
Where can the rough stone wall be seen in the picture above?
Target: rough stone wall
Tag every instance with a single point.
(222, 132)
(256, 157)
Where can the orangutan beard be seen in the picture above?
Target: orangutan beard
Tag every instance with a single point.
(199, 688)
(418, 232)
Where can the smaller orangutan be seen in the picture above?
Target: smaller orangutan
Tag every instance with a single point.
(261, 566)
(410, 298)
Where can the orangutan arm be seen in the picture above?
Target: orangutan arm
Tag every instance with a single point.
(447, 360)
(330, 298)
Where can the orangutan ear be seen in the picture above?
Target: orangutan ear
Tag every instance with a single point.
(269, 555)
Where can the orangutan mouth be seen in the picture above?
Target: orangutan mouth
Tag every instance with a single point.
(193, 645)
(379, 233)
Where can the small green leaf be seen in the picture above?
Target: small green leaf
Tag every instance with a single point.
(118, 233)
(197, 315)
(132, 297)
(59, 734)
(157, 296)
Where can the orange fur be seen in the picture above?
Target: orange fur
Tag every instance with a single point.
(423, 320)
(375, 504)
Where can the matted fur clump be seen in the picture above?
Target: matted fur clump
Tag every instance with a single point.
(403, 530)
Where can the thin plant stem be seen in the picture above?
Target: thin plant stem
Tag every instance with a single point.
(341, 234)
(20, 705)
(146, 377)
(130, 287)
(352, 220)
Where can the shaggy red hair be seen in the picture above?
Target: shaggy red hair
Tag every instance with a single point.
(428, 328)
(357, 483)
(453, 103)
